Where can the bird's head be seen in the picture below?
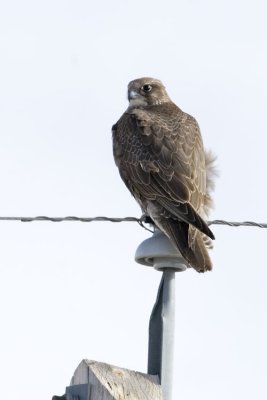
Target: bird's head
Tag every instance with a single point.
(147, 91)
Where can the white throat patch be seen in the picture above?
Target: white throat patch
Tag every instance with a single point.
(138, 101)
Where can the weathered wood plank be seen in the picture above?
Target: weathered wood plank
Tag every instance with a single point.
(107, 382)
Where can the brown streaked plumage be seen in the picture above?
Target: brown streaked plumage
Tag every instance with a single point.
(159, 152)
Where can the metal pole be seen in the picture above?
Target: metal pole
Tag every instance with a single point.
(161, 334)
(159, 252)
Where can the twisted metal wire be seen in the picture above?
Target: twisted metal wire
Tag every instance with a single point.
(235, 224)
(140, 220)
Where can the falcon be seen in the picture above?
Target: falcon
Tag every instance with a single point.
(159, 152)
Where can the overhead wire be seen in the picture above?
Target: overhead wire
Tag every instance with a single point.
(141, 220)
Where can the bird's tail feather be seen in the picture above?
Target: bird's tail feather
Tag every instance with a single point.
(194, 251)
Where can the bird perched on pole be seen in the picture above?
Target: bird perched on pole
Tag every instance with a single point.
(159, 152)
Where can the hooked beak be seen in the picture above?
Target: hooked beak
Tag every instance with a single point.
(132, 94)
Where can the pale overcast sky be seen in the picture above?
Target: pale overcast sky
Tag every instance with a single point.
(70, 291)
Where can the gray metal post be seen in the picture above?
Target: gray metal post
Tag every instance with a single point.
(160, 253)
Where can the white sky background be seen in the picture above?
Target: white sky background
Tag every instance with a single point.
(70, 291)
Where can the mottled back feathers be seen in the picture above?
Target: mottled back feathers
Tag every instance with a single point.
(159, 152)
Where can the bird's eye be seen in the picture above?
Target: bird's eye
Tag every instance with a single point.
(147, 88)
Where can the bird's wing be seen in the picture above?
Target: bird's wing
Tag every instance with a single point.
(160, 157)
